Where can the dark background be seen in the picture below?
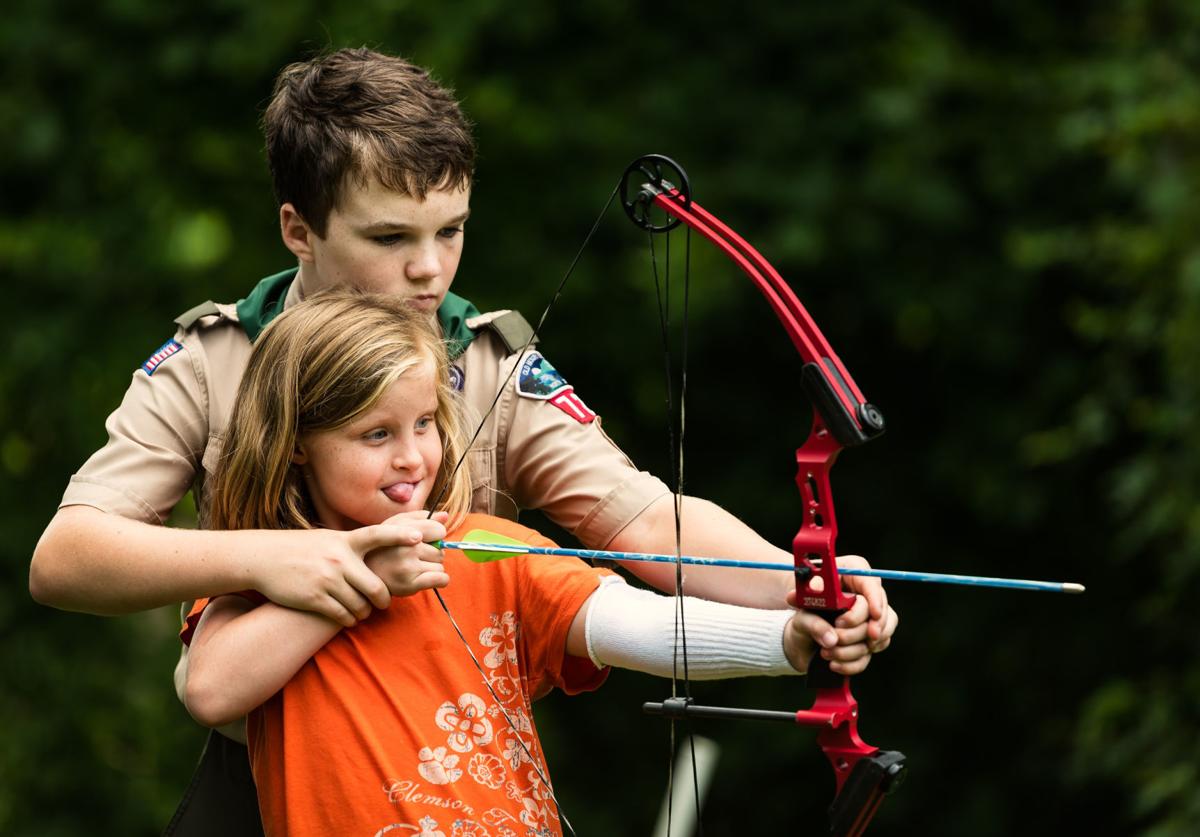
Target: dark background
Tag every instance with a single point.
(988, 207)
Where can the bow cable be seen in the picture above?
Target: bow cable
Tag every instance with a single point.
(457, 465)
(675, 440)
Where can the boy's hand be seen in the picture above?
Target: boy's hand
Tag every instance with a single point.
(416, 564)
(881, 619)
(324, 571)
(847, 644)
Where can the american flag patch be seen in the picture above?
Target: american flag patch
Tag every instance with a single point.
(165, 351)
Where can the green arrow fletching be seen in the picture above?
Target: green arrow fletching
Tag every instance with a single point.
(483, 556)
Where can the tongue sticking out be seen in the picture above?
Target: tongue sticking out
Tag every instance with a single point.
(400, 492)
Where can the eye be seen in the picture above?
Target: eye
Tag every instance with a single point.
(376, 435)
(450, 232)
(425, 423)
(389, 239)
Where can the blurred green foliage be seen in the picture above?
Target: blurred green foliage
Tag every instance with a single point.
(988, 207)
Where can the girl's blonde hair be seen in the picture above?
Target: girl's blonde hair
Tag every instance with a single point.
(318, 366)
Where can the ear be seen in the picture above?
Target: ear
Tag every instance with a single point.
(296, 233)
(299, 455)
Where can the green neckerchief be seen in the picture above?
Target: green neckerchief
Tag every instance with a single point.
(266, 301)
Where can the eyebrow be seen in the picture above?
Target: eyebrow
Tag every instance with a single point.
(391, 226)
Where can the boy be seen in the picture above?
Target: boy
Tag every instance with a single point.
(372, 164)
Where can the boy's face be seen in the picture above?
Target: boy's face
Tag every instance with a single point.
(385, 242)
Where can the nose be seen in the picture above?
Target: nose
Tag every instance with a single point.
(424, 264)
(405, 456)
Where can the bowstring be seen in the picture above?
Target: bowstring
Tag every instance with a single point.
(675, 442)
(545, 779)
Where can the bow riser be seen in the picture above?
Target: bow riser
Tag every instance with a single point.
(814, 545)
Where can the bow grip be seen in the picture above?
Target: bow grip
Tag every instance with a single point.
(819, 675)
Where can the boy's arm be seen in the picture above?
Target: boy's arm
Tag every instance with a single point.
(102, 552)
(98, 562)
(709, 530)
(557, 458)
(240, 655)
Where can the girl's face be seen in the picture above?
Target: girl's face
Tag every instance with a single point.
(382, 463)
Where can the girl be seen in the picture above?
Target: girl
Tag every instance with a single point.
(346, 419)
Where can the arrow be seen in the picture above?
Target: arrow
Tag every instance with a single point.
(483, 546)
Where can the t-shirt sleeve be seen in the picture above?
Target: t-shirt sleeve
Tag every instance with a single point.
(556, 457)
(156, 438)
(192, 619)
(551, 590)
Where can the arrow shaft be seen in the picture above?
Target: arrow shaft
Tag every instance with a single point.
(892, 575)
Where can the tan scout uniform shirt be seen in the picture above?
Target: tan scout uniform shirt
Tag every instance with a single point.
(166, 437)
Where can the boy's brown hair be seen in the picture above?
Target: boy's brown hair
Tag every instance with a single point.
(362, 114)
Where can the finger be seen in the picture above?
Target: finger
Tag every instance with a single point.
(429, 580)
(858, 614)
(355, 602)
(429, 554)
(872, 591)
(876, 596)
(817, 628)
(853, 635)
(331, 608)
(363, 582)
(370, 538)
(409, 517)
(891, 622)
(867, 586)
(852, 667)
(425, 529)
(431, 530)
(846, 653)
(879, 605)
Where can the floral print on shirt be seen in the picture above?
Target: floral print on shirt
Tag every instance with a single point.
(489, 741)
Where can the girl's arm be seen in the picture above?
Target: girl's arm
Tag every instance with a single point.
(630, 628)
(241, 654)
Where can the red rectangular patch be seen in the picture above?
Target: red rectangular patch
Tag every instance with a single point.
(573, 406)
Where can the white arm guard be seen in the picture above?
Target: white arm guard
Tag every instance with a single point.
(635, 629)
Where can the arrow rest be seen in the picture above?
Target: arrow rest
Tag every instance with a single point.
(646, 175)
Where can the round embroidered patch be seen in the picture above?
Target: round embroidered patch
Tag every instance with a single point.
(458, 378)
(539, 380)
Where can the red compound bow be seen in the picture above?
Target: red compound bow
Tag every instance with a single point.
(842, 417)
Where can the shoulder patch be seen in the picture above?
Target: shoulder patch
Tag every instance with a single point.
(539, 380)
(513, 330)
(165, 351)
(189, 317)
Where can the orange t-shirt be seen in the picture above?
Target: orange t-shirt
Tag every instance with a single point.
(389, 726)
